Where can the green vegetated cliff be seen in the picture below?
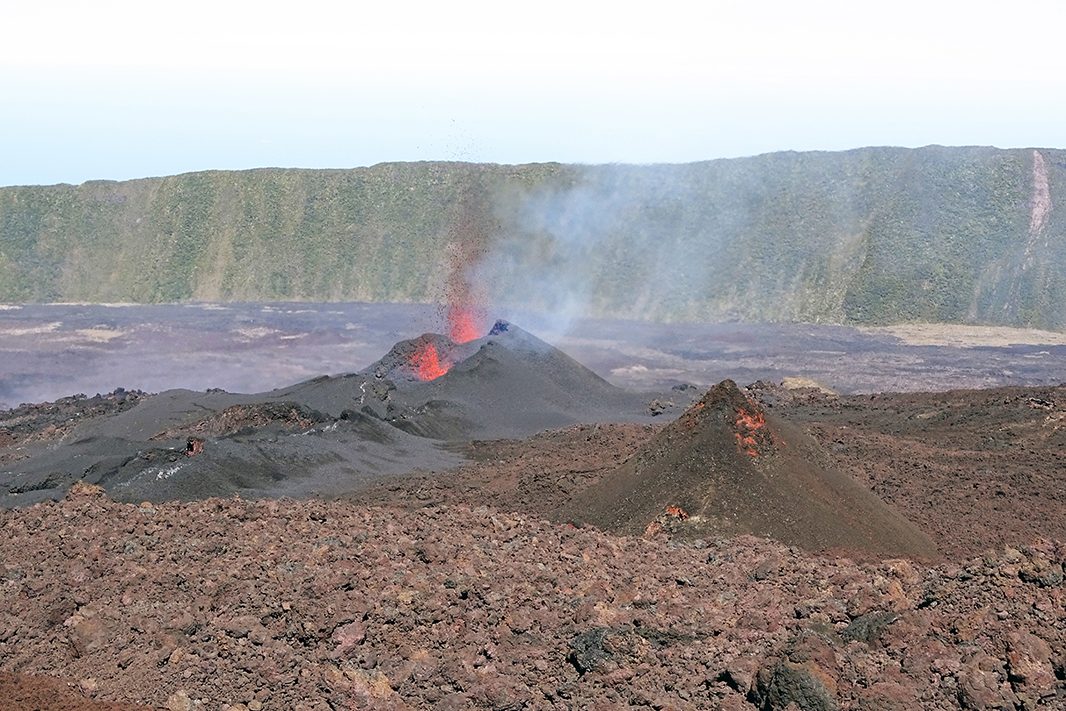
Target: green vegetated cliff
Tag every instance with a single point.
(875, 235)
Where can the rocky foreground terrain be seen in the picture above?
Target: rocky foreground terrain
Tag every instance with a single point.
(233, 604)
(453, 589)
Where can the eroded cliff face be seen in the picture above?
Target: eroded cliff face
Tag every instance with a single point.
(1040, 204)
(875, 235)
(1024, 285)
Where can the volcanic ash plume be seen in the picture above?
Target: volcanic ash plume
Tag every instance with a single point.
(461, 305)
(461, 313)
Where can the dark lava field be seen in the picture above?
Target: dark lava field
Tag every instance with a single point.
(633, 516)
(51, 351)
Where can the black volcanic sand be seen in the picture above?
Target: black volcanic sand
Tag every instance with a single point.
(140, 455)
(325, 436)
(727, 468)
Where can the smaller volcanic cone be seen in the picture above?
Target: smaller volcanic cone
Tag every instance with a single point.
(725, 468)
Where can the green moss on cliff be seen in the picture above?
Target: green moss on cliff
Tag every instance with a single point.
(869, 236)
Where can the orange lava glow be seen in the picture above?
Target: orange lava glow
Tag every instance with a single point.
(658, 525)
(677, 512)
(748, 425)
(426, 363)
(462, 323)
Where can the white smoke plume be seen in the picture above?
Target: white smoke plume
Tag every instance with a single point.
(579, 248)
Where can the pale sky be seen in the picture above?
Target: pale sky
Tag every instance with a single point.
(118, 89)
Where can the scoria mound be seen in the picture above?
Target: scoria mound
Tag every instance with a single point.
(727, 467)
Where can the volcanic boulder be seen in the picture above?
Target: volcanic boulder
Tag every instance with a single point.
(726, 467)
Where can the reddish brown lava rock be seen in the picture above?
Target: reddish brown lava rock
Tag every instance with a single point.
(752, 434)
(194, 446)
(296, 604)
(666, 521)
(19, 692)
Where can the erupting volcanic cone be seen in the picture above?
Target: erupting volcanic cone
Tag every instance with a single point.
(726, 467)
(507, 383)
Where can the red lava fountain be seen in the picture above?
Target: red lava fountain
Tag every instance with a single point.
(463, 308)
(462, 323)
(464, 298)
(426, 362)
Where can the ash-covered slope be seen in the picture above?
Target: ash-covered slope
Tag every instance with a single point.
(508, 383)
(187, 445)
(726, 467)
(325, 436)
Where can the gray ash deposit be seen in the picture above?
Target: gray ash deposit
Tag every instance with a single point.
(326, 436)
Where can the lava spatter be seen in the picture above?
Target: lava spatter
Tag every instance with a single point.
(426, 362)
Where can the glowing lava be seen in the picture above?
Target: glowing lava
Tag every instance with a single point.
(677, 512)
(426, 363)
(747, 426)
(462, 323)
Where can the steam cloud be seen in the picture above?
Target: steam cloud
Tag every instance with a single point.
(585, 249)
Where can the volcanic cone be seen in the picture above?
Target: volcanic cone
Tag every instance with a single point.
(507, 384)
(726, 467)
